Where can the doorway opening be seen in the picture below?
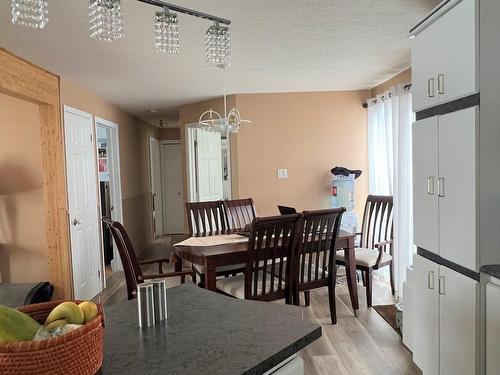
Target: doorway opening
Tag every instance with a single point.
(156, 187)
(209, 164)
(110, 200)
(172, 187)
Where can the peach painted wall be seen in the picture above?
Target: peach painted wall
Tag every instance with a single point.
(134, 158)
(170, 134)
(307, 133)
(23, 241)
(404, 77)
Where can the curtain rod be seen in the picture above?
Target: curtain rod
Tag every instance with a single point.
(191, 12)
(374, 101)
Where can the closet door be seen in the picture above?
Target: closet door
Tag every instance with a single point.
(457, 187)
(425, 175)
(457, 323)
(455, 32)
(426, 315)
(424, 54)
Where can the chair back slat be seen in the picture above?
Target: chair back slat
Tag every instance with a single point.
(205, 218)
(316, 245)
(270, 251)
(239, 213)
(131, 268)
(377, 223)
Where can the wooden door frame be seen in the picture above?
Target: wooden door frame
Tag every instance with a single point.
(26, 81)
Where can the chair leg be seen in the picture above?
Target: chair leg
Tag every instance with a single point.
(369, 284)
(193, 277)
(307, 297)
(363, 278)
(331, 298)
(393, 289)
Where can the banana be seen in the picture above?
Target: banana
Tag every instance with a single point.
(89, 310)
(56, 324)
(68, 311)
(16, 326)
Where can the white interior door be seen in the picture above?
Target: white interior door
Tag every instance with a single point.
(209, 162)
(156, 190)
(425, 175)
(426, 315)
(457, 323)
(83, 205)
(457, 201)
(173, 201)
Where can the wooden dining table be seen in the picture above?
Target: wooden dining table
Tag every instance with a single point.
(233, 253)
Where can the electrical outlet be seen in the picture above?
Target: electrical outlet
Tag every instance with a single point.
(282, 173)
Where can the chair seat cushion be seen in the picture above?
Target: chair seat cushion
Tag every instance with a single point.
(235, 285)
(366, 257)
(233, 267)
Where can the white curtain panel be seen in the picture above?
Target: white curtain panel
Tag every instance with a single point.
(390, 168)
(380, 145)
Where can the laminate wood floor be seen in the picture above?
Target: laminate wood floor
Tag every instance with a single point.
(365, 345)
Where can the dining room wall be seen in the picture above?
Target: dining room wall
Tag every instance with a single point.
(404, 77)
(307, 133)
(23, 238)
(134, 158)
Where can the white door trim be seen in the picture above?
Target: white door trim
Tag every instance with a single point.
(116, 264)
(157, 228)
(86, 115)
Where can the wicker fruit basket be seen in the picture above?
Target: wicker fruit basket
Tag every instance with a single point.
(78, 352)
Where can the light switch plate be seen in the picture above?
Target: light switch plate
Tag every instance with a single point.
(282, 173)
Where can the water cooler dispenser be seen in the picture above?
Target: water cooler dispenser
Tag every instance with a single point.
(343, 183)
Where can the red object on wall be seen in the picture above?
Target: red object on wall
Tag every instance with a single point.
(334, 191)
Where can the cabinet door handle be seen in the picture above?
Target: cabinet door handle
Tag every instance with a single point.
(441, 186)
(441, 285)
(430, 185)
(441, 84)
(430, 87)
(430, 280)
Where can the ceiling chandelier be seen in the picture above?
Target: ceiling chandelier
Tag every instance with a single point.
(106, 24)
(231, 122)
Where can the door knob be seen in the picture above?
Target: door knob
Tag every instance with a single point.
(76, 222)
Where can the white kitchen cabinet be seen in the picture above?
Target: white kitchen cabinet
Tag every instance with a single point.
(444, 186)
(425, 175)
(492, 325)
(444, 312)
(444, 56)
(424, 55)
(456, 67)
(457, 323)
(457, 187)
(425, 314)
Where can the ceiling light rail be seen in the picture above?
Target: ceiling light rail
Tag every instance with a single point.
(190, 12)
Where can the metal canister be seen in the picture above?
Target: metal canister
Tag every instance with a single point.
(160, 299)
(145, 305)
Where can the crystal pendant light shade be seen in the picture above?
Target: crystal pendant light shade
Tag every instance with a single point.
(218, 45)
(166, 32)
(30, 13)
(106, 20)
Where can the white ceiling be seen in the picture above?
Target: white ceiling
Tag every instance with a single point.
(277, 46)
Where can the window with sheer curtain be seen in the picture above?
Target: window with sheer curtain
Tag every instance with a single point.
(390, 117)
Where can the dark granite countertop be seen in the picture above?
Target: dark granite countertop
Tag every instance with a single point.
(492, 270)
(206, 333)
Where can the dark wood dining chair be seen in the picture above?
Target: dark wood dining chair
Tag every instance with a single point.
(239, 213)
(314, 262)
(376, 248)
(131, 265)
(271, 243)
(208, 219)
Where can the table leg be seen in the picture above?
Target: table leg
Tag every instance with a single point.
(210, 276)
(350, 265)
